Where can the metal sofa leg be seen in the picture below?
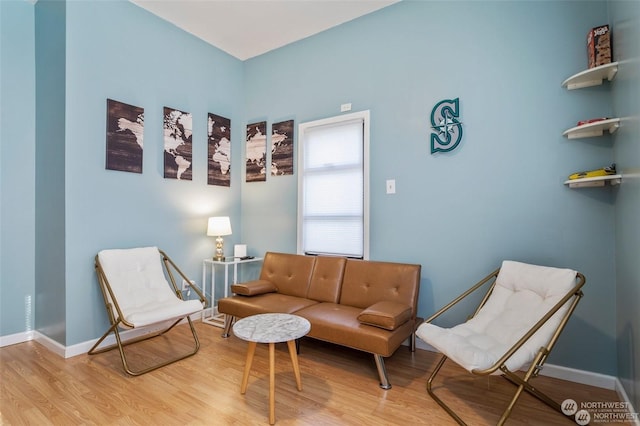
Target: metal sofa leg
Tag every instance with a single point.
(382, 372)
(228, 320)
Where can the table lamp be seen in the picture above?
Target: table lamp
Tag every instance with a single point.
(217, 227)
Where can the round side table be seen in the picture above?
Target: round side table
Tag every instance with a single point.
(271, 329)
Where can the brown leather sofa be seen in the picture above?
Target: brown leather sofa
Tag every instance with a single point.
(365, 305)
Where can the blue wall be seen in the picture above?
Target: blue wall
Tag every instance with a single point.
(500, 195)
(17, 167)
(625, 19)
(86, 53)
(117, 50)
(50, 224)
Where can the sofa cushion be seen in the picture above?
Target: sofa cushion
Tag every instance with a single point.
(339, 324)
(290, 273)
(387, 315)
(253, 288)
(326, 281)
(243, 306)
(369, 282)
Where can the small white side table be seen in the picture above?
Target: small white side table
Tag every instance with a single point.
(209, 265)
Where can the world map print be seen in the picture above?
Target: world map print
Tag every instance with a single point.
(178, 145)
(219, 151)
(125, 130)
(256, 152)
(282, 148)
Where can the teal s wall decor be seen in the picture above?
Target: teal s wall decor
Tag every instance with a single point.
(444, 121)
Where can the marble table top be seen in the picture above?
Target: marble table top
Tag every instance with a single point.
(271, 328)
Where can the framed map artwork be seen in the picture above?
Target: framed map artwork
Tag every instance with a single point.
(125, 130)
(282, 148)
(256, 151)
(178, 144)
(219, 151)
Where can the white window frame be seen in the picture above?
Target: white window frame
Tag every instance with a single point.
(302, 129)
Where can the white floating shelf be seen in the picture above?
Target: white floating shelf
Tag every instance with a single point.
(591, 77)
(594, 181)
(590, 130)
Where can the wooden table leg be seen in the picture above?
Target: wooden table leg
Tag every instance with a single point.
(247, 366)
(294, 360)
(272, 384)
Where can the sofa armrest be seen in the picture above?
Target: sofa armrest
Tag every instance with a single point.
(387, 315)
(253, 288)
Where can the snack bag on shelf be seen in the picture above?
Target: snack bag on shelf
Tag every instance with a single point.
(605, 171)
(591, 120)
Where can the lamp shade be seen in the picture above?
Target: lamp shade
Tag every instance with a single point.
(218, 226)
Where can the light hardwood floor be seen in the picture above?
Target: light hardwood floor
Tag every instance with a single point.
(340, 387)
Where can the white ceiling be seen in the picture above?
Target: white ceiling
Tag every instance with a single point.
(248, 28)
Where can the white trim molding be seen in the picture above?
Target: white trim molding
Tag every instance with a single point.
(52, 345)
(576, 376)
(13, 339)
(82, 347)
(624, 397)
(579, 376)
(565, 373)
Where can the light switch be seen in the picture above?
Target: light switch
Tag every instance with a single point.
(391, 186)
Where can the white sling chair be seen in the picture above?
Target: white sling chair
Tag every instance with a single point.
(516, 325)
(137, 295)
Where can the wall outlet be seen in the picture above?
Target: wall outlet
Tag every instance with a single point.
(391, 186)
(185, 285)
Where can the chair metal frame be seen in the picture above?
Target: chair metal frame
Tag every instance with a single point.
(522, 383)
(116, 318)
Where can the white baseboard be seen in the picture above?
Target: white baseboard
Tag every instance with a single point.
(13, 339)
(79, 348)
(27, 336)
(565, 373)
(579, 376)
(624, 397)
(573, 375)
(84, 347)
(52, 345)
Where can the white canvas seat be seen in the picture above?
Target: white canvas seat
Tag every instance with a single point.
(515, 327)
(137, 294)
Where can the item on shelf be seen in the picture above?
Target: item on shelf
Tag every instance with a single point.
(240, 250)
(605, 171)
(599, 46)
(592, 120)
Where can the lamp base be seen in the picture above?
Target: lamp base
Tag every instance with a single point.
(219, 256)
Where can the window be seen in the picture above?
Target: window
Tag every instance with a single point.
(333, 186)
